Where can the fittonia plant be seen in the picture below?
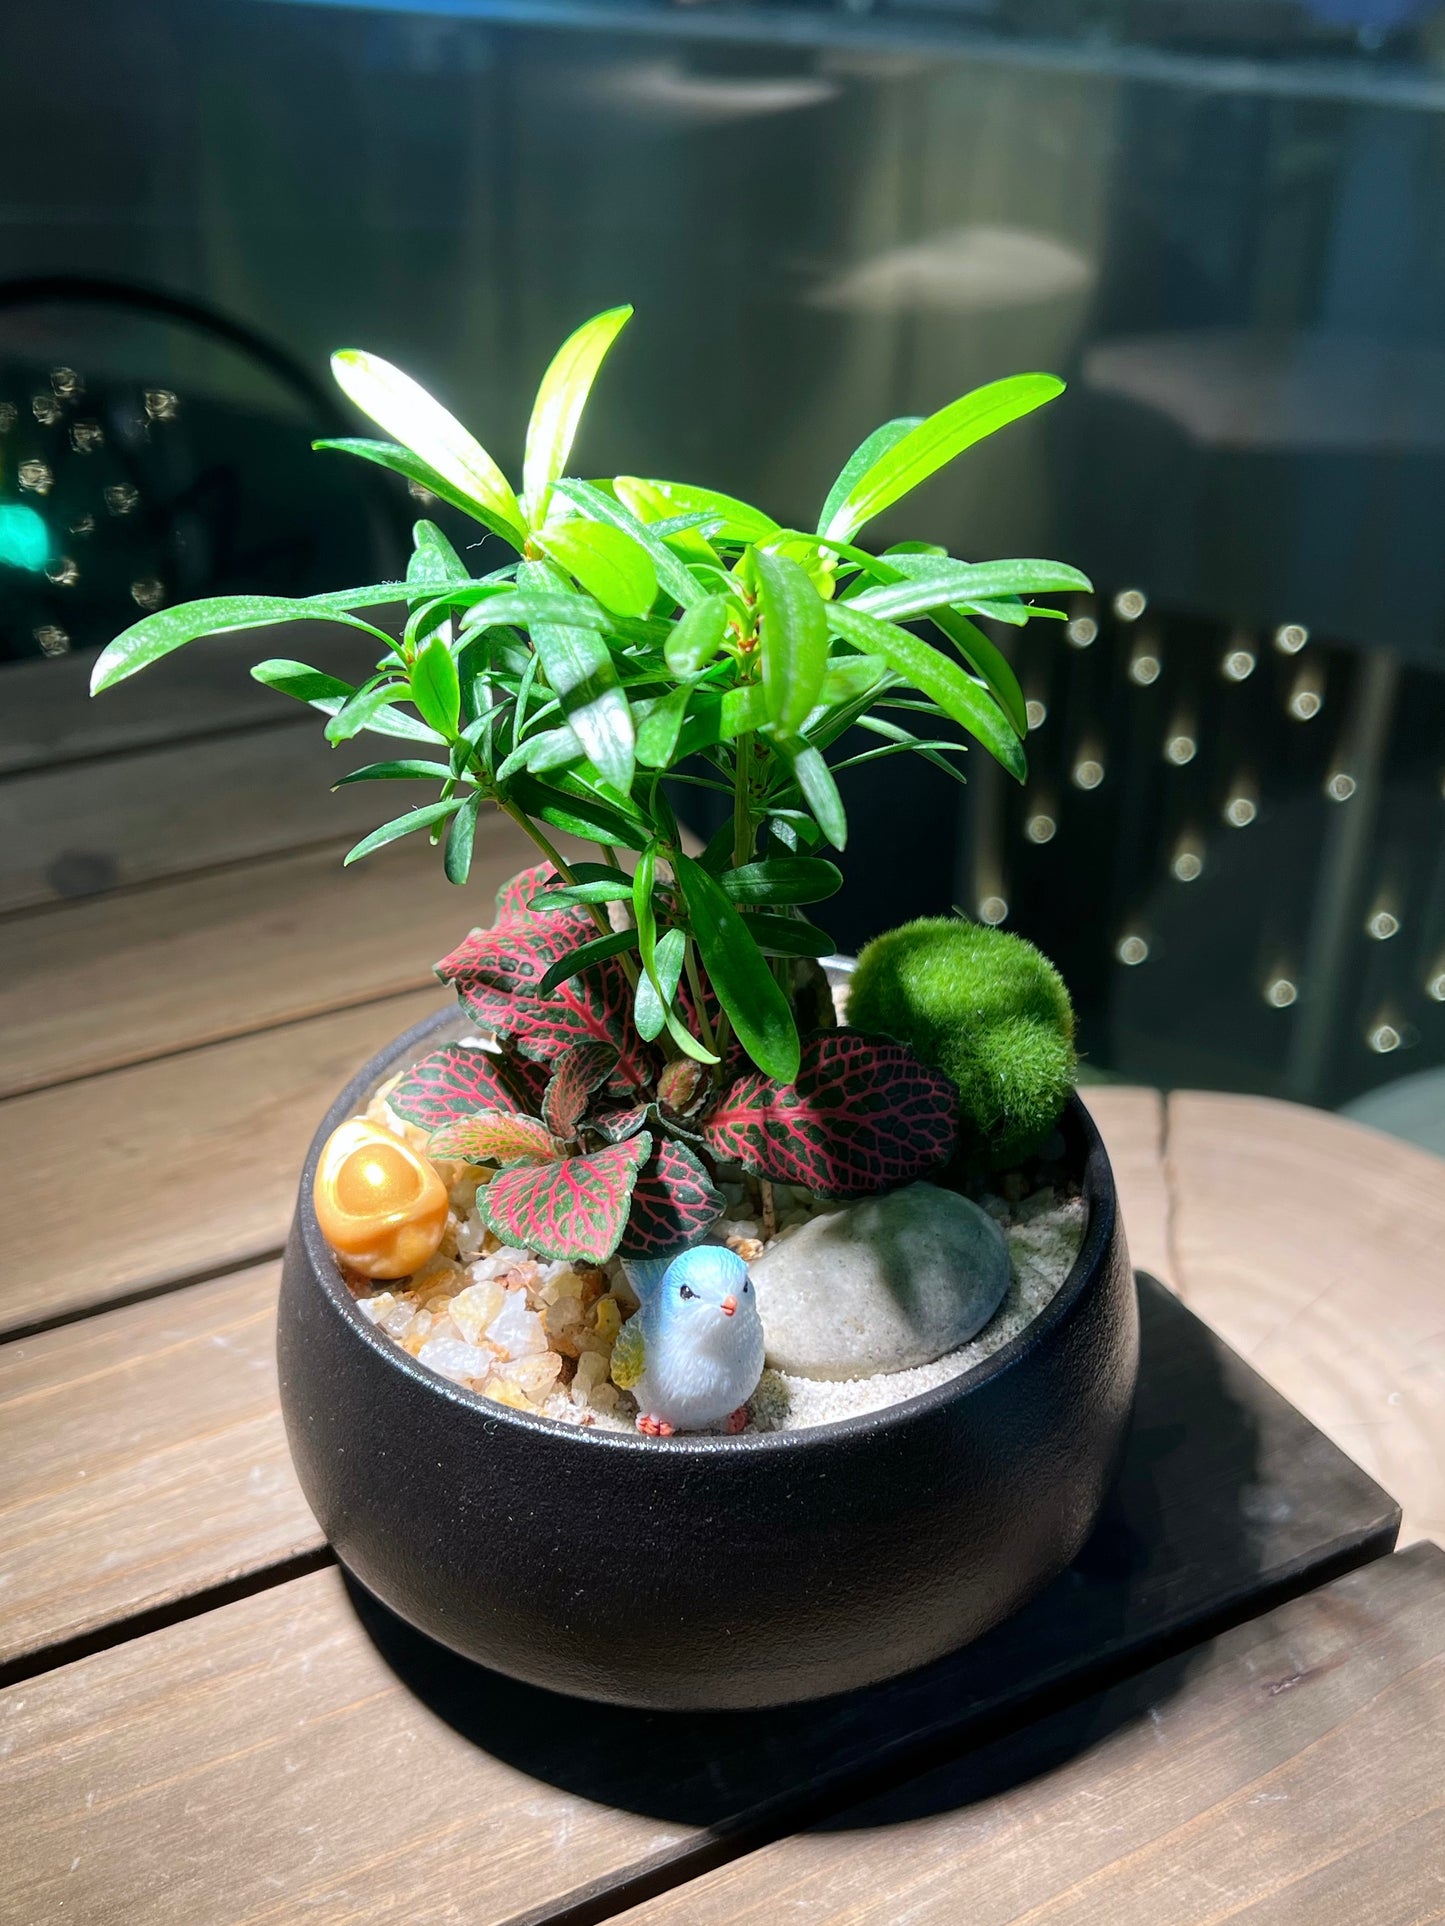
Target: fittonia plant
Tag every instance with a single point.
(651, 631)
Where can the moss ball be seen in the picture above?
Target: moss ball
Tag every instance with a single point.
(990, 1011)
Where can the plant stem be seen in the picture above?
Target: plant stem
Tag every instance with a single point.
(558, 862)
(770, 1210)
(743, 803)
(694, 983)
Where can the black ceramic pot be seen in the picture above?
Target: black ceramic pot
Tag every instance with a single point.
(707, 1572)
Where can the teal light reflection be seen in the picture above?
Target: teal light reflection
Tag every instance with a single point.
(24, 538)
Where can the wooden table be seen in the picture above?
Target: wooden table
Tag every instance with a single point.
(1230, 1708)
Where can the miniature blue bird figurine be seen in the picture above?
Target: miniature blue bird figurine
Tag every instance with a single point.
(693, 1354)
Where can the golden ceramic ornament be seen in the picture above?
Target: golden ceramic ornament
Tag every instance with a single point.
(381, 1207)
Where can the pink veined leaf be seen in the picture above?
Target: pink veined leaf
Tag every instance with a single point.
(575, 1208)
(453, 1082)
(526, 1076)
(515, 895)
(618, 1121)
(863, 1116)
(496, 1137)
(673, 1203)
(497, 972)
(575, 1075)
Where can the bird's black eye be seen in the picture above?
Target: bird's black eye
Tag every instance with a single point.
(686, 1290)
(747, 1285)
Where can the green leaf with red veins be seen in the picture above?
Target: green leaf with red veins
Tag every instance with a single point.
(494, 1137)
(498, 975)
(452, 1082)
(526, 1076)
(575, 1208)
(673, 1203)
(617, 1122)
(864, 1115)
(515, 896)
(578, 1073)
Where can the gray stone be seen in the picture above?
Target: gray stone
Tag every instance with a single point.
(881, 1285)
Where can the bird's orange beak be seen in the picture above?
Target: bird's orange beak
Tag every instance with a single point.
(728, 1306)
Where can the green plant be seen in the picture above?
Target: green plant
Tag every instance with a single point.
(987, 1009)
(650, 630)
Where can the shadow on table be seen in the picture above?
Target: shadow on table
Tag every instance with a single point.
(1213, 1515)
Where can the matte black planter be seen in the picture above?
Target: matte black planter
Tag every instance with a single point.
(707, 1572)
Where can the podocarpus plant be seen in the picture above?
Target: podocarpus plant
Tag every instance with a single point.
(651, 631)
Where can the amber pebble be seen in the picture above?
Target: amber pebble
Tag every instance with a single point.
(381, 1207)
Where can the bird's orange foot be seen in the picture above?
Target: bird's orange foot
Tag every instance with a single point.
(652, 1427)
(736, 1420)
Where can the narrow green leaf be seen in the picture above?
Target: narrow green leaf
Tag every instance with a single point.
(382, 721)
(166, 630)
(652, 501)
(939, 584)
(407, 769)
(435, 689)
(583, 677)
(360, 710)
(597, 951)
(461, 833)
(525, 606)
(697, 636)
(987, 660)
(924, 667)
(580, 816)
(820, 792)
(1004, 608)
(553, 749)
(658, 724)
(298, 680)
(403, 826)
(402, 461)
(712, 718)
(863, 457)
(672, 575)
(851, 676)
(719, 852)
(788, 936)
(783, 879)
(643, 878)
(404, 409)
(746, 987)
(434, 562)
(617, 890)
(558, 408)
(657, 987)
(923, 450)
(793, 639)
(608, 563)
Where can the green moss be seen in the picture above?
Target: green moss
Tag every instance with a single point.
(990, 1011)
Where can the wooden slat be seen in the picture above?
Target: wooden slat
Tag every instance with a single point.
(128, 1181)
(144, 1460)
(1288, 1773)
(127, 819)
(95, 985)
(317, 1780)
(1131, 1122)
(47, 715)
(1316, 1247)
(263, 1763)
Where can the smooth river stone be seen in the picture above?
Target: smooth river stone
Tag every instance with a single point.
(881, 1285)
